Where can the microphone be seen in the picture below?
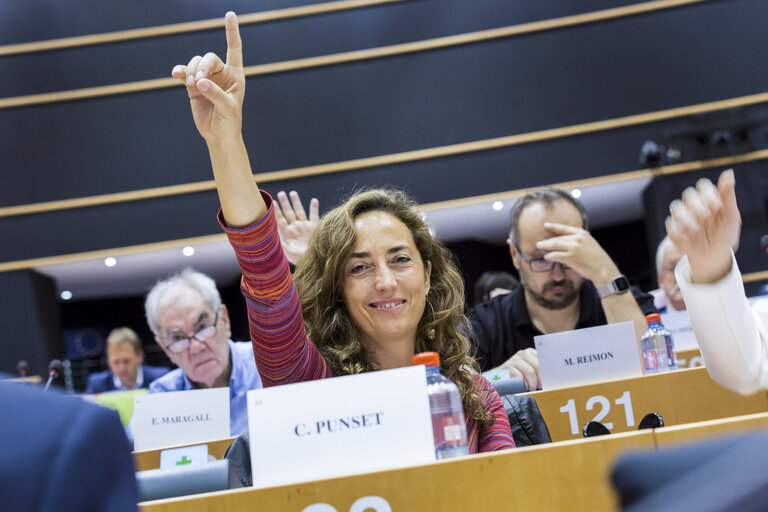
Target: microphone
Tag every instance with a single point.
(54, 368)
(764, 243)
(22, 367)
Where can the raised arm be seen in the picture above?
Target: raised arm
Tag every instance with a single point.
(216, 90)
(733, 339)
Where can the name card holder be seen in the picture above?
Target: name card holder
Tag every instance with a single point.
(180, 417)
(339, 426)
(678, 323)
(584, 356)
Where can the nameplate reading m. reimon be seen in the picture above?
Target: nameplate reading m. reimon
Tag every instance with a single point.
(586, 356)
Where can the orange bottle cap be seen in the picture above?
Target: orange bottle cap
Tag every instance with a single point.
(428, 359)
(653, 317)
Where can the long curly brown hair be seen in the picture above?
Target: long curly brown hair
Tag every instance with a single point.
(319, 280)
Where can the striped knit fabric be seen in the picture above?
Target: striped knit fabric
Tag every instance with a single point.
(283, 352)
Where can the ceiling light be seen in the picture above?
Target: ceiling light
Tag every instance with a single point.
(576, 193)
(188, 251)
(110, 262)
(497, 205)
(66, 295)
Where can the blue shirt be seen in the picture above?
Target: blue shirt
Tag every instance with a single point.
(244, 378)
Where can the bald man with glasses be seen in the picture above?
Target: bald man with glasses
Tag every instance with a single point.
(191, 325)
(568, 282)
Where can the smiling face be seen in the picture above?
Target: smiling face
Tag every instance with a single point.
(385, 281)
(185, 314)
(558, 288)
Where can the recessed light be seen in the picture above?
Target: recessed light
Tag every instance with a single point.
(188, 251)
(110, 262)
(66, 295)
(497, 205)
(576, 193)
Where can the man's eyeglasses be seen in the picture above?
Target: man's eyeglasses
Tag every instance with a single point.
(179, 344)
(540, 264)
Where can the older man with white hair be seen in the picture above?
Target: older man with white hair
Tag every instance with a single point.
(667, 297)
(191, 325)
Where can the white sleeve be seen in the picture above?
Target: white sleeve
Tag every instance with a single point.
(732, 337)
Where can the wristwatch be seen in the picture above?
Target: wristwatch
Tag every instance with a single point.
(619, 285)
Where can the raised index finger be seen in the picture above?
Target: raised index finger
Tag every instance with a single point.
(234, 44)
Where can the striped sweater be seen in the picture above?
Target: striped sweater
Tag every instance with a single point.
(283, 352)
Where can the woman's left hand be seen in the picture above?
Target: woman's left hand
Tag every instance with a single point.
(294, 226)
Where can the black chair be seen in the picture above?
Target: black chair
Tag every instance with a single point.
(525, 420)
(219, 475)
(509, 386)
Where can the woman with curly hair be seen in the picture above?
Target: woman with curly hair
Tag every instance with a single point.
(375, 285)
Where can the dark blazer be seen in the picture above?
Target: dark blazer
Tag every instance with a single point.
(102, 382)
(61, 453)
(717, 475)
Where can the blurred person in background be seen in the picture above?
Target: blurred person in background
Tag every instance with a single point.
(124, 359)
(493, 283)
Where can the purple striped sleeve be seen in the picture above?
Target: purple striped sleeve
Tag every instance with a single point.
(282, 350)
(499, 435)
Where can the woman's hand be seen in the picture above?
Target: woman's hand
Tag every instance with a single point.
(215, 88)
(216, 91)
(294, 226)
(706, 225)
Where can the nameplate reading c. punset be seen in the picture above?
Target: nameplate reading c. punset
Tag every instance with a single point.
(180, 417)
(339, 426)
(587, 356)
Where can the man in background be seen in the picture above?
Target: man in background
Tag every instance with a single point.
(568, 282)
(667, 297)
(191, 325)
(124, 358)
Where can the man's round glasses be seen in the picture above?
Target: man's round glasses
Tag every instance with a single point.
(179, 344)
(540, 264)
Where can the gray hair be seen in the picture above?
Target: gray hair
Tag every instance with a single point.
(663, 246)
(159, 296)
(548, 196)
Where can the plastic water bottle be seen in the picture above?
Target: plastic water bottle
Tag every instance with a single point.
(670, 346)
(658, 348)
(448, 427)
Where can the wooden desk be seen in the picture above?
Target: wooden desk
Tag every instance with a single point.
(150, 459)
(567, 475)
(689, 358)
(571, 475)
(667, 436)
(682, 396)
(33, 379)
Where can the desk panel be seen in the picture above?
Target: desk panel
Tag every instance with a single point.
(667, 436)
(150, 459)
(689, 358)
(682, 396)
(572, 475)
